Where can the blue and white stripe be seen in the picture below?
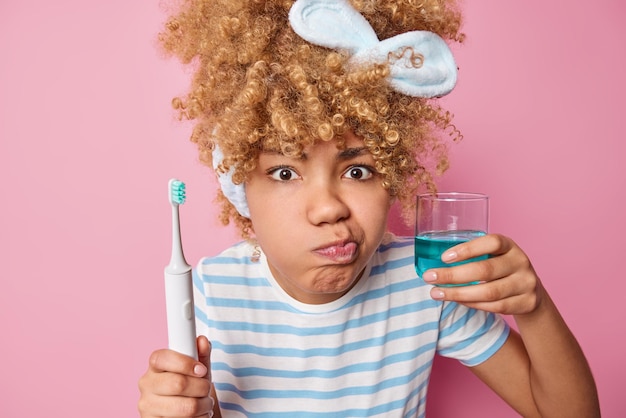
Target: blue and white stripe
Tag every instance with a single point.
(368, 354)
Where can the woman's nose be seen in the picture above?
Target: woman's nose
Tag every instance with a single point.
(326, 204)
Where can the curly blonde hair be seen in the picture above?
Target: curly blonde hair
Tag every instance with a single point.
(258, 86)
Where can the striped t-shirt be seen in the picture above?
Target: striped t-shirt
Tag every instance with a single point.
(367, 354)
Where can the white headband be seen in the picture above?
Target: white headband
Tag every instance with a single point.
(235, 193)
(336, 24)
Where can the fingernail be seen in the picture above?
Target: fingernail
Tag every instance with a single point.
(200, 370)
(449, 256)
(430, 276)
(437, 294)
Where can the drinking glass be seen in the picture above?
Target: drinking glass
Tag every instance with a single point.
(444, 220)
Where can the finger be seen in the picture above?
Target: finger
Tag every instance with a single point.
(176, 406)
(204, 353)
(471, 272)
(515, 305)
(174, 384)
(512, 262)
(513, 295)
(482, 292)
(492, 244)
(171, 361)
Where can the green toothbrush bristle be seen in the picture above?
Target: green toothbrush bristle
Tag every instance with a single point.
(178, 192)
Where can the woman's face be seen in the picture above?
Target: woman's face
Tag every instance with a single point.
(318, 218)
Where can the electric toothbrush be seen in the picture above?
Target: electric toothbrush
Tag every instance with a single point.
(181, 325)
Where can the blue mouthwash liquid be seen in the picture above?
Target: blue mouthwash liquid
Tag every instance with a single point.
(430, 245)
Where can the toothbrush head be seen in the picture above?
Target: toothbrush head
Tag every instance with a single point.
(177, 193)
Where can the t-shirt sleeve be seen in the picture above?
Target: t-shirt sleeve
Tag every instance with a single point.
(470, 335)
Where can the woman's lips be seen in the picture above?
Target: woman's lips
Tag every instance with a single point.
(340, 253)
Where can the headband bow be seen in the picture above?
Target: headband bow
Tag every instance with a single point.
(336, 24)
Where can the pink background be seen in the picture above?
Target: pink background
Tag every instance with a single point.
(88, 141)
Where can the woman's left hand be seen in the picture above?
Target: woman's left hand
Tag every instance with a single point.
(508, 282)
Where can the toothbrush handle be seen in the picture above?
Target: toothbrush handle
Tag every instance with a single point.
(181, 325)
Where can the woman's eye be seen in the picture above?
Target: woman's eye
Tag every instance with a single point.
(283, 174)
(359, 173)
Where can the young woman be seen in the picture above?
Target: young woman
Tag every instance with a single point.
(317, 115)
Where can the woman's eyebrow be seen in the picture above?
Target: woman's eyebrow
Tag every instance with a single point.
(342, 155)
(349, 153)
(280, 154)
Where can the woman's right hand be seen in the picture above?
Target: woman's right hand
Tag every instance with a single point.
(176, 385)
